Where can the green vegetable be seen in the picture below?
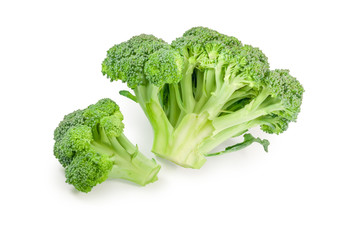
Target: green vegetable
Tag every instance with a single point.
(201, 90)
(248, 140)
(91, 146)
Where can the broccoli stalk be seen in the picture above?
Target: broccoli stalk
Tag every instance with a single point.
(128, 162)
(91, 146)
(201, 90)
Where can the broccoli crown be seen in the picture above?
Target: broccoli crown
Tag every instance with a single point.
(90, 116)
(125, 61)
(164, 66)
(113, 125)
(74, 136)
(207, 34)
(199, 36)
(208, 49)
(287, 90)
(76, 139)
(80, 127)
(88, 169)
(72, 119)
(248, 62)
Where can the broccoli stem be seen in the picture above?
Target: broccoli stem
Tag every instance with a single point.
(174, 108)
(145, 94)
(214, 141)
(199, 77)
(216, 102)
(187, 89)
(224, 86)
(208, 83)
(218, 138)
(238, 122)
(182, 145)
(262, 105)
(242, 93)
(139, 169)
(153, 110)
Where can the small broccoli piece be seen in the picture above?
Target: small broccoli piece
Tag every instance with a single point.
(91, 146)
(202, 89)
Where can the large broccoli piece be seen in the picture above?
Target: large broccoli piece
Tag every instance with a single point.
(203, 89)
(91, 146)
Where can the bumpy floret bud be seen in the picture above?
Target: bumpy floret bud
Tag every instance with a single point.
(125, 61)
(288, 90)
(87, 170)
(164, 66)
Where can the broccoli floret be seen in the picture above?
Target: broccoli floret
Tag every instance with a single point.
(91, 146)
(126, 61)
(202, 89)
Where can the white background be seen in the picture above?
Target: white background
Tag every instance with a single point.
(50, 65)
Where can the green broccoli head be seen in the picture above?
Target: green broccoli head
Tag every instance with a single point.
(113, 125)
(72, 119)
(287, 91)
(125, 61)
(164, 66)
(89, 116)
(90, 145)
(247, 62)
(84, 167)
(76, 139)
(80, 127)
(208, 49)
(205, 35)
(88, 169)
(195, 38)
(209, 55)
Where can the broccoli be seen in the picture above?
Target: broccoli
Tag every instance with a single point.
(202, 89)
(91, 146)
